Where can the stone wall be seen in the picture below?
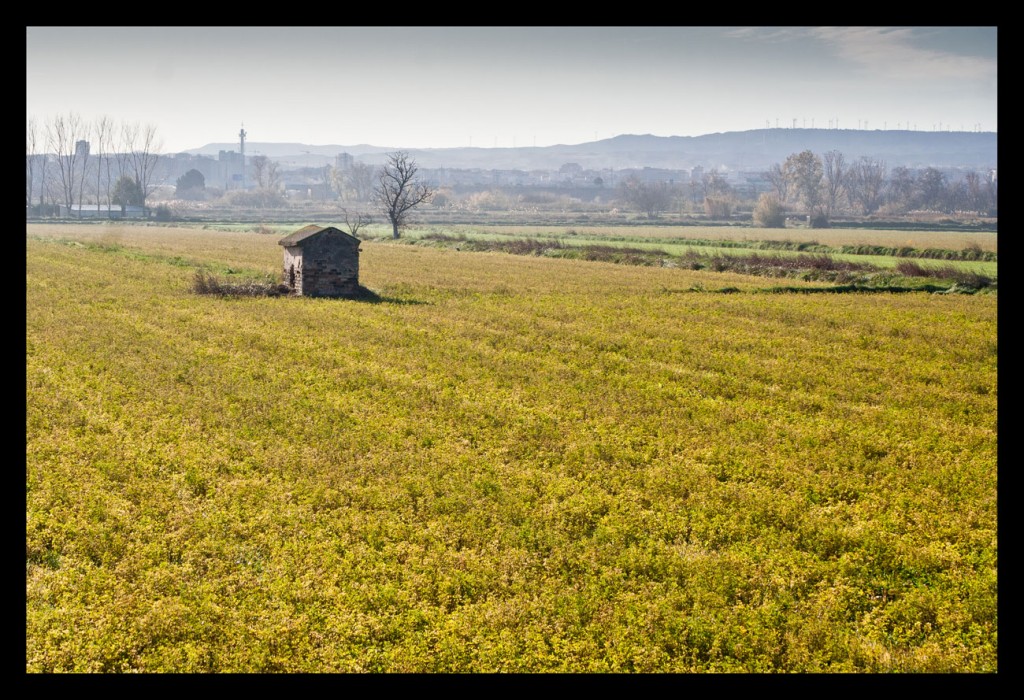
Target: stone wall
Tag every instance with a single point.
(325, 266)
(292, 273)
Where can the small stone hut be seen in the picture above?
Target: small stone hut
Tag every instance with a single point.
(321, 261)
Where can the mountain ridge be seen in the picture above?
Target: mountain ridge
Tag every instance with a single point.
(756, 149)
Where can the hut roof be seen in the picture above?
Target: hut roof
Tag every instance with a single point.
(306, 232)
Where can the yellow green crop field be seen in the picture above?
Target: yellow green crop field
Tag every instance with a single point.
(504, 463)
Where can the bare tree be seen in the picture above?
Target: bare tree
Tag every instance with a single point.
(804, 174)
(865, 184)
(63, 133)
(326, 180)
(991, 196)
(957, 197)
(111, 159)
(716, 195)
(972, 183)
(356, 221)
(712, 184)
(52, 189)
(932, 190)
(142, 155)
(265, 172)
(259, 170)
(266, 176)
(696, 188)
(360, 180)
(31, 146)
(34, 140)
(777, 179)
(649, 197)
(980, 192)
(397, 190)
(273, 175)
(103, 130)
(337, 176)
(122, 146)
(834, 165)
(82, 147)
(354, 184)
(900, 191)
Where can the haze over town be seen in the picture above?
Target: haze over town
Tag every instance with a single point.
(507, 87)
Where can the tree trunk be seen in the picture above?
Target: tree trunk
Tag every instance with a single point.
(394, 229)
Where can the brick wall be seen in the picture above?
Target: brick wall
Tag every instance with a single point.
(325, 266)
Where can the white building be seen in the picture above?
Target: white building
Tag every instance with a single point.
(100, 211)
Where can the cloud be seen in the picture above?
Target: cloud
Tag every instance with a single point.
(770, 34)
(893, 53)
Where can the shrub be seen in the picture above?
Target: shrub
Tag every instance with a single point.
(973, 251)
(909, 268)
(490, 200)
(964, 279)
(206, 283)
(768, 212)
(442, 199)
(717, 207)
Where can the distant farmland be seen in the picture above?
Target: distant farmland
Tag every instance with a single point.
(502, 463)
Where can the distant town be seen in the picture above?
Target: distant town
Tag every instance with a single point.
(721, 174)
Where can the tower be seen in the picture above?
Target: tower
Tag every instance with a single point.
(241, 136)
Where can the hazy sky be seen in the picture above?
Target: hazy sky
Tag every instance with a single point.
(435, 87)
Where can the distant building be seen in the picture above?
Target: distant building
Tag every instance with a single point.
(344, 161)
(100, 211)
(231, 165)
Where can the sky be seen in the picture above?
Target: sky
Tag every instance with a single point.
(489, 86)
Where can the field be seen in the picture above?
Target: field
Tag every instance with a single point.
(504, 463)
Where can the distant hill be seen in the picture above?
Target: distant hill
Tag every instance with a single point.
(757, 149)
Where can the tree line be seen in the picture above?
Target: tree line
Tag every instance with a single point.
(825, 186)
(70, 161)
(822, 187)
